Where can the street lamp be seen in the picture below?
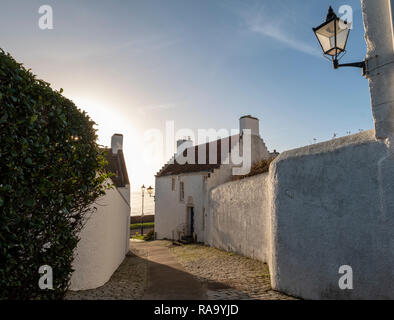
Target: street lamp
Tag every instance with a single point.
(150, 191)
(332, 36)
(142, 213)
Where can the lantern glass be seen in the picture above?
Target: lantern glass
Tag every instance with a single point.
(143, 187)
(343, 29)
(150, 190)
(333, 36)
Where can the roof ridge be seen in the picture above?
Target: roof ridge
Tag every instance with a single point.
(172, 168)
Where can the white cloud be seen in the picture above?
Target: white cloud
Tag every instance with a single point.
(277, 28)
(276, 33)
(86, 51)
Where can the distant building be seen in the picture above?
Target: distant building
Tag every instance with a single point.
(181, 202)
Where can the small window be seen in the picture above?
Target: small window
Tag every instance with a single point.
(181, 191)
(173, 184)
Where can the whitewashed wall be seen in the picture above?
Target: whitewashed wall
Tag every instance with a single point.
(104, 242)
(319, 208)
(171, 213)
(380, 67)
(125, 192)
(332, 205)
(239, 216)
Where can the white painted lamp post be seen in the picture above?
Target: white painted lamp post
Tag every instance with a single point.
(378, 24)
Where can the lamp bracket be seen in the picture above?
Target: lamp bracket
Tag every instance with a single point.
(361, 65)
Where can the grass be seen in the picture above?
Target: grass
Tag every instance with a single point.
(145, 224)
(138, 237)
(150, 236)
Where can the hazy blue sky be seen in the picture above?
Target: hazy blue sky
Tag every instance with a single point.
(203, 63)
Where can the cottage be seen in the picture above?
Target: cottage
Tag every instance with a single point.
(106, 234)
(181, 201)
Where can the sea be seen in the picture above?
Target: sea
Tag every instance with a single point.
(136, 204)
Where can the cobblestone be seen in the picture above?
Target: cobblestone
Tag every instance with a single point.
(240, 278)
(225, 276)
(127, 283)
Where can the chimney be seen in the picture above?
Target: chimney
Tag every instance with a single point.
(116, 143)
(249, 122)
(183, 144)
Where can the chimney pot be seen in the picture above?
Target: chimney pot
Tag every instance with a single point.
(183, 144)
(249, 122)
(116, 143)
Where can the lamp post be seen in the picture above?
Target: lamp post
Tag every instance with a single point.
(142, 211)
(332, 36)
(150, 191)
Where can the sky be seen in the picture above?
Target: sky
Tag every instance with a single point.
(133, 65)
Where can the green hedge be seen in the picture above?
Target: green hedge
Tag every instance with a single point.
(52, 170)
(138, 225)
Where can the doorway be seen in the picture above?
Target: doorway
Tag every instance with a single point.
(191, 221)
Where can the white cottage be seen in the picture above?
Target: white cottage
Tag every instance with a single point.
(181, 201)
(105, 238)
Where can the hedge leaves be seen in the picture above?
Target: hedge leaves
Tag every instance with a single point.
(52, 171)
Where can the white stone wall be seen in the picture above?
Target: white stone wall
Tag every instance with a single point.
(170, 213)
(104, 242)
(259, 150)
(224, 174)
(125, 192)
(319, 208)
(239, 216)
(328, 210)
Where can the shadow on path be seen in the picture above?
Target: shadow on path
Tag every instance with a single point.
(166, 278)
(151, 272)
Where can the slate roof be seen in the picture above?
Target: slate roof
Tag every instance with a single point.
(177, 168)
(117, 165)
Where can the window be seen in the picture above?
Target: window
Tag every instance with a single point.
(173, 184)
(181, 191)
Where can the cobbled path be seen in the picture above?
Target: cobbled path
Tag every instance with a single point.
(127, 283)
(223, 275)
(235, 277)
